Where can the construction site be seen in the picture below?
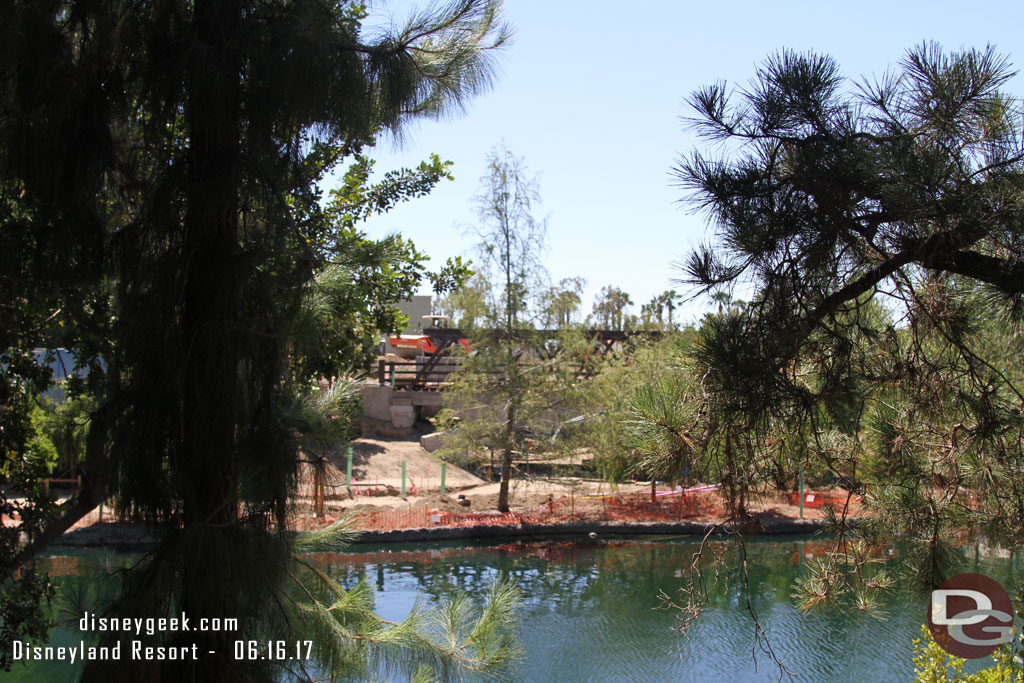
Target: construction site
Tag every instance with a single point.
(391, 480)
(397, 485)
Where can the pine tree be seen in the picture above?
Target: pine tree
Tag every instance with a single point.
(162, 161)
(880, 228)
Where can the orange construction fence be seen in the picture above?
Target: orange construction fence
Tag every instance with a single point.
(633, 507)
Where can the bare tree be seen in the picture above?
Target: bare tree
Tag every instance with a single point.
(510, 249)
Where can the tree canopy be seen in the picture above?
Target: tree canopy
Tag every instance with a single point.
(878, 230)
(908, 189)
(610, 306)
(160, 207)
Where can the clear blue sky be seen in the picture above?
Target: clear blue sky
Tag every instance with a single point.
(591, 95)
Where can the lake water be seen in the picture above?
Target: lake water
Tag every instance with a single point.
(591, 612)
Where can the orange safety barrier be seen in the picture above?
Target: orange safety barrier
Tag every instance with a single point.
(813, 499)
(639, 506)
(57, 565)
(631, 507)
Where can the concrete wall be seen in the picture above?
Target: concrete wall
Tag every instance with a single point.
(377, 401)
(392, 413)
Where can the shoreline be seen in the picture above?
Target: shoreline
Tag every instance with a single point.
(124, 536)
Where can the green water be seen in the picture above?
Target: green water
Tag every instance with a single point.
(591, 611)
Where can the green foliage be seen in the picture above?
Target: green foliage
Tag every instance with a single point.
(878, 228)
(451, 276)
(932, 664)
(512, 240)
(851, 574)
(350, 300)
(28, 456)
(466, 305)
(161, 210)
(356, 200)
(608, 397)
(23, 615)
(541, 393)
(653, 314)
(66, 425)
(41, 454)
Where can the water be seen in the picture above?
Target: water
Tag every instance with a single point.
(591, 611)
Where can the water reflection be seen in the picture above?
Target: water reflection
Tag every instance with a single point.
(592, 611)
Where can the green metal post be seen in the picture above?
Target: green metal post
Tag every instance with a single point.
(443, 467)
(392, 375)
(801, 493)
(403, 479)
(348, 456)
(527, 457)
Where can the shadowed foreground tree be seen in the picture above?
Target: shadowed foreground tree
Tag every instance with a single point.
(881, 229)
(160, 164)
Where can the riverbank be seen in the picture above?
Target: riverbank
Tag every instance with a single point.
(541, 507)
(125, 536)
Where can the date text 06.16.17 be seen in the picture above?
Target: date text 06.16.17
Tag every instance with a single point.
(273, 649)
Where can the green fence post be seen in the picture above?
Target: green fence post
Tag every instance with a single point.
(527, 457)
(348, 456)
(443, 467)
(403, 479)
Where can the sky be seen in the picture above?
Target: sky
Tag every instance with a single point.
(592, 96)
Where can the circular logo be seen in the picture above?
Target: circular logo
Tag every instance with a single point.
(970, 616)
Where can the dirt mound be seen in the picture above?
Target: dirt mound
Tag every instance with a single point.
(377, 464)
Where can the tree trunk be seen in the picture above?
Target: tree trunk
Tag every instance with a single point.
(212, 289)
(506, 465)
(506, 461)
(212, 298)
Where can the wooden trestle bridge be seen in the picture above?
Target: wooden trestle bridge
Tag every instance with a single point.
(429, 372)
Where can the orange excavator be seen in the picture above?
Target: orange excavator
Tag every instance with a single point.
(412, 345)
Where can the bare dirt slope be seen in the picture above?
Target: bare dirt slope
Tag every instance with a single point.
(378, 462)
(377, 470)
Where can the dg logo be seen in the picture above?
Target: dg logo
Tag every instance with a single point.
(970, 616)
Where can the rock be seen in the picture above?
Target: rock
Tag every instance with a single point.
(403, 417)
(432, 442)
